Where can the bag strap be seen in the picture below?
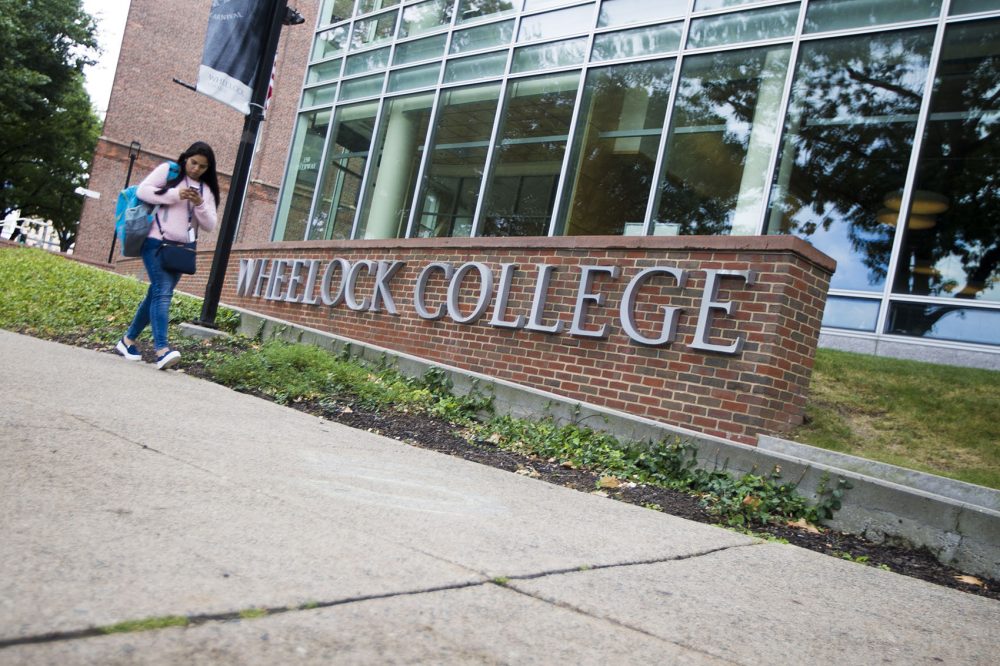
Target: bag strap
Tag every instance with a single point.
(156, 215)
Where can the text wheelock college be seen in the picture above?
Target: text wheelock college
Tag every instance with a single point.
(335, 282)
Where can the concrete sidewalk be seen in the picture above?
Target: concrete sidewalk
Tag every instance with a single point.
(128, 493)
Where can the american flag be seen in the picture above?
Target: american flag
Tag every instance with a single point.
(270, 87)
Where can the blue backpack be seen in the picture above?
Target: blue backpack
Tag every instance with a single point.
(133, 217)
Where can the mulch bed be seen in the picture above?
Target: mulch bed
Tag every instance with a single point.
(430, 433)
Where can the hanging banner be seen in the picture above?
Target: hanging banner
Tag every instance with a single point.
(237, 30)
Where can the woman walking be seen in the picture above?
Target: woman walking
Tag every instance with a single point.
(186, 201)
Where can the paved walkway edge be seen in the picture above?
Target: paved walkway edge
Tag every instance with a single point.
(957, 532)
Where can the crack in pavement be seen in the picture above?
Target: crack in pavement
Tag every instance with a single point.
(229, 616)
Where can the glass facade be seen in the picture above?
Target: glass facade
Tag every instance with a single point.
(866, 127)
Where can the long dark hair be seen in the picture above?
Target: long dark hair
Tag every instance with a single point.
(210, 177)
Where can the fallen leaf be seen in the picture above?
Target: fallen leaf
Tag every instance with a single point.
(568, 464)
(608, 482)
(494, 438)
(599, 493)
(970, 580)
(803, 524)
(347, 410)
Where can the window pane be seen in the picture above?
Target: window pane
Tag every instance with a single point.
(422, 49)
(461, 139)
(335, 11)
(532, 5)
(393, 179)
(847, 142)
(614, 151)
(724, 127)
(951, 244)
(856, 314)
(945, 322)
(425, 16)
(704, 5)
(370, 61)
(970, 6)
(318, 96)
(414, 77)
(556, 24)
(363, 87)
(475, 67)
(623, 12)
(470, 10)
(637, 42)
(556, 54)
(324, 71)
(743, 26)
(482, 37)
(330, 43)
(843, 14)
(374, 30)
(366, 6)
(529, 155)
(300, 179)
(343, 169)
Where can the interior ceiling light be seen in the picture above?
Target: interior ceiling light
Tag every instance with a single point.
(924, 202)
(925, 206)
(888, 216)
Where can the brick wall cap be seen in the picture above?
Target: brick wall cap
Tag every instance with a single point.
(759, 244)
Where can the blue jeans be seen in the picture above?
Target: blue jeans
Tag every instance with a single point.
(155, 308)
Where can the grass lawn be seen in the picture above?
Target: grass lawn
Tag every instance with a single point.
(932, 418)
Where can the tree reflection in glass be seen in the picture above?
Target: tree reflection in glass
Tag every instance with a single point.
(614, 151)
(848, 136)
(458, 156)
(529, 155)
(300, 180)
(954, 249)
(724, 124)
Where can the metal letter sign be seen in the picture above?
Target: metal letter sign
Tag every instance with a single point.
(233, 45)
(295, 281)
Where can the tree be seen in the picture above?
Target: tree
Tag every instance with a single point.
(48, 129)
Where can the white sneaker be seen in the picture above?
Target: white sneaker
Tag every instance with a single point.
(128, 351)
(168, 359)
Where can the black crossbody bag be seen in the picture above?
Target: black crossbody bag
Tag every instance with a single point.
(177, 257)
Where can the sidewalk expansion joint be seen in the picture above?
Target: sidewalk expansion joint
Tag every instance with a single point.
(260, 612)
(507, 583)
(635, 563)
(230, 616)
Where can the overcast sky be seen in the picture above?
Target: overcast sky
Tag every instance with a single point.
(110, 16)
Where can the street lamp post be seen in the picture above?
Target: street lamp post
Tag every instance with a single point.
(133, 153)
(280, 15)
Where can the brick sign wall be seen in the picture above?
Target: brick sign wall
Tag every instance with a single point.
(718, 334)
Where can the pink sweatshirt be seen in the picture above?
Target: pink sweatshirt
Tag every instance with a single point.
(173, 211)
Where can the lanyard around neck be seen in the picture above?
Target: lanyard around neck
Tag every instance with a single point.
(190, 210)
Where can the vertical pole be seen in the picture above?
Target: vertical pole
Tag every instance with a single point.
(133, 153)
(241, 169)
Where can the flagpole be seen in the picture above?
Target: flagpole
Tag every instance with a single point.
(241, 169)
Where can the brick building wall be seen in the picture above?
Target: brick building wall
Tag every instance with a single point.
(760, 389)
(163, 40)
